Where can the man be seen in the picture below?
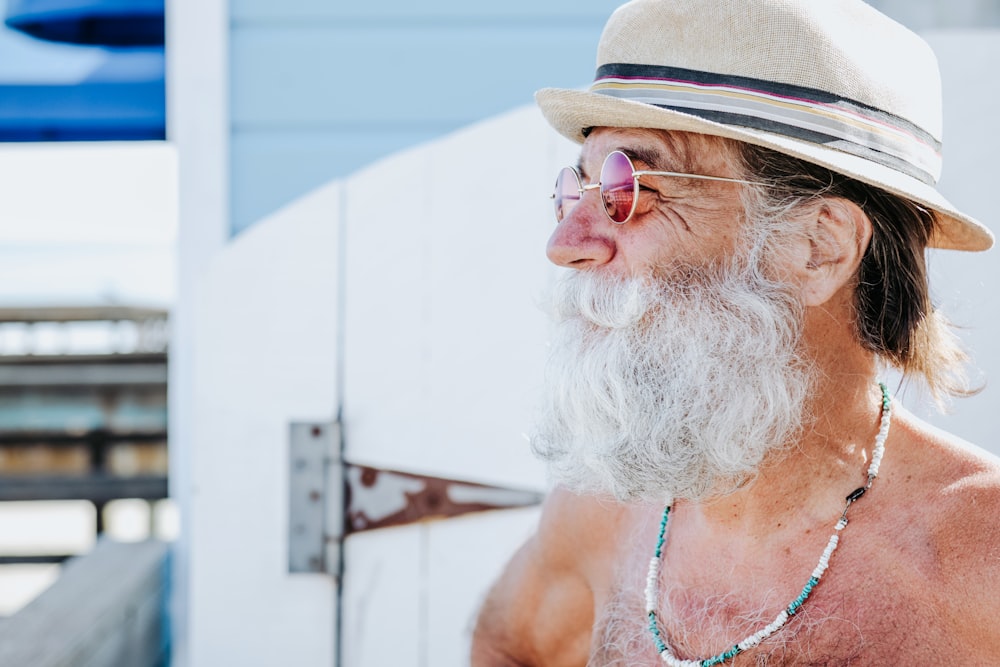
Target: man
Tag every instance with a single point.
(745, 231)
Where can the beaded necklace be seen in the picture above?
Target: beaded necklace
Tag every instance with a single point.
(652, 579)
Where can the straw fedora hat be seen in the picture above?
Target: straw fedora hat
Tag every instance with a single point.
(833, 82)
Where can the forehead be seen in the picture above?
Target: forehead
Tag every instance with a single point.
(676, 151)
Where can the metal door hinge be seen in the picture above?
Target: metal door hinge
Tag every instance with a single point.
(315, 498)
(329, 499)
(381, 498)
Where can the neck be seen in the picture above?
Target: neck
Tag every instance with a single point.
(804, 482)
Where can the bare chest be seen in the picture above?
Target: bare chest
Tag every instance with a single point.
(862, 613)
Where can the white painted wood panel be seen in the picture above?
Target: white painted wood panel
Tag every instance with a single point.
(464, 556)
(265, 356)
(444, 338)
(411, 593)
(384, 594)
(444, 346)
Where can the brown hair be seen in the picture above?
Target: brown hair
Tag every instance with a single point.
(894, 314)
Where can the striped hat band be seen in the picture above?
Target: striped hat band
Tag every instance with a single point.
(794, 111)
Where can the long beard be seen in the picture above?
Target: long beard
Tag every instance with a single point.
(670, 386)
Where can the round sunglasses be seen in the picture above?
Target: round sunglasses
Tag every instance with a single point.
(618, 184)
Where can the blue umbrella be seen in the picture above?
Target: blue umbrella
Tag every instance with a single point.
(57, 92)
(104, 22)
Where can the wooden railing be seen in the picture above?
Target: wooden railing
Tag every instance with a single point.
(106, 609)
(82, 422)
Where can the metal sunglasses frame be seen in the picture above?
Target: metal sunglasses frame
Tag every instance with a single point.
(581, 188)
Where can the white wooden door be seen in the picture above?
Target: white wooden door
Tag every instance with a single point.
(264, 357)
(444, 343)
(405, 301)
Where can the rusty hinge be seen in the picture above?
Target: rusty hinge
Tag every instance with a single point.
(381, 498)
(329, 499)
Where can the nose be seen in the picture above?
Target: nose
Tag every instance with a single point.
(582, 240)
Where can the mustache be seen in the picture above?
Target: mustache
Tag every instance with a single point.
(611, 303)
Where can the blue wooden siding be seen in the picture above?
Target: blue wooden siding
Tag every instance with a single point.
(320, 88)
(555, 11)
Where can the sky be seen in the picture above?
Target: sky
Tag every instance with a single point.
(87, 224)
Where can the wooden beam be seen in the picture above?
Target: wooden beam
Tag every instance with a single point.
(105, 610)
(80, 314)
(83, 375)
(95, 488)
(47, 559)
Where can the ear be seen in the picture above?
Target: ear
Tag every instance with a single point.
(839, 233)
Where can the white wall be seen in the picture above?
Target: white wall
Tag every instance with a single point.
(197, 124)
(965, 284)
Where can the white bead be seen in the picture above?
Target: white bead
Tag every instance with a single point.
(676, 662)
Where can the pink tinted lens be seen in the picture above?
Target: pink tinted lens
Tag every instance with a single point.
(618, 186)
(567, 192)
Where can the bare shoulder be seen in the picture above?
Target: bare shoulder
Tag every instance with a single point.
(952, 489)
(951, 473)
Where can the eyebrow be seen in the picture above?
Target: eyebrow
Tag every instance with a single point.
(649, 156)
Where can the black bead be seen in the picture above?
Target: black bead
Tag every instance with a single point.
(857, 493)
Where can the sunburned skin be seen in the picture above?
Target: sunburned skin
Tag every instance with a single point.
(913, 581)
(895, 592)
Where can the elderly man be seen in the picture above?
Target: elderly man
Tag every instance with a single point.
(746, 230)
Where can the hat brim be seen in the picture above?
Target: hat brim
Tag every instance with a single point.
(571, 112)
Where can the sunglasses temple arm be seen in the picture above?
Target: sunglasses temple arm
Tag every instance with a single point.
(644, 172)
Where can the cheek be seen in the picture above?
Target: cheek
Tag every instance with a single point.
(716, 227)
(692, 234)
(659, 242)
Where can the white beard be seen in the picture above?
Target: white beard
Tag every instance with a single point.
(673, 386)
